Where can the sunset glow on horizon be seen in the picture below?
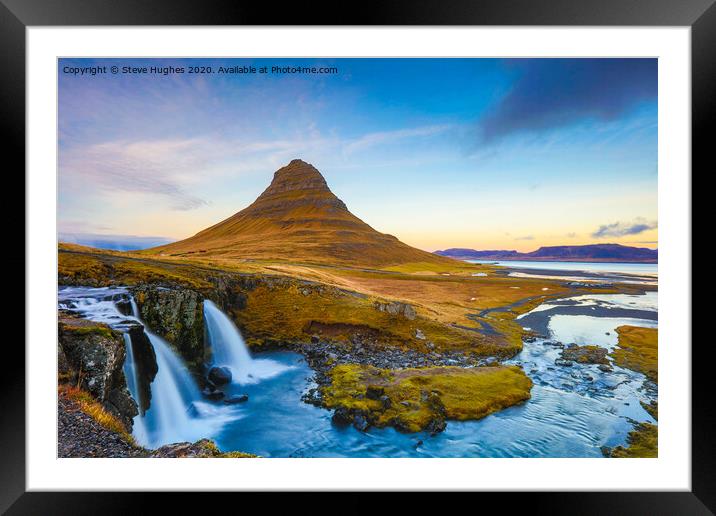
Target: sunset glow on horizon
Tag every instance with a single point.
(504, 154)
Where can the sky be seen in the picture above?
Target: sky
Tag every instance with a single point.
(474, 153)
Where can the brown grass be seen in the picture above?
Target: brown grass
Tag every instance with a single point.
(90, 406)
(638, 350)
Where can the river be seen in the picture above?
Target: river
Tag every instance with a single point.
(573, 410)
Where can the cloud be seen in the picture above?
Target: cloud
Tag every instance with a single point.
(385, 137)
(571, 235)
(620, 229)
(551, 93)
(166, 168)
(526, 237)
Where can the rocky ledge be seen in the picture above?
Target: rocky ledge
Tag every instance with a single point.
(80, 434)
(91, 355)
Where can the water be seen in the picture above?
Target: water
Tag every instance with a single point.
(573, 411)
(228, 349)
(641, 269)
(177, 411)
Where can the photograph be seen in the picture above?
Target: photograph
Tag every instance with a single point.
(358, 257)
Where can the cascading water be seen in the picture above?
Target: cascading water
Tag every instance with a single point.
(229, 349)
(139, 428)
(227, 346)
(177, 411)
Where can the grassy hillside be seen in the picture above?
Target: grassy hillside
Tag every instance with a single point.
(298, 219)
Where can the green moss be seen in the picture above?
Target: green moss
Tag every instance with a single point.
(96, 329)
(638, 350)
(643, 443)
(413, 399)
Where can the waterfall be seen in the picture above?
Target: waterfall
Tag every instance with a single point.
(227, 346)
(173, 413)
(139, 428)
(170, 417)
(229, 350)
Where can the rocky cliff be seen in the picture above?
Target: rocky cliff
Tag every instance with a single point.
(91, 355)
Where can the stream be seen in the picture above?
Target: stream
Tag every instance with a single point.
(572, 413)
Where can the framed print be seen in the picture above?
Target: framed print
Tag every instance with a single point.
(437, 249)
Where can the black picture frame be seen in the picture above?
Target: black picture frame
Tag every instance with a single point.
(17, 15)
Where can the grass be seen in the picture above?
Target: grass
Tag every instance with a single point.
(643, 443)
(90, 406)
(452, 305)
(638, 350)
(418, 396)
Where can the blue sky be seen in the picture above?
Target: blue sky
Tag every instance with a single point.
(481, 153)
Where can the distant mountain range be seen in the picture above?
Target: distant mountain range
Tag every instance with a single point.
(562, 253)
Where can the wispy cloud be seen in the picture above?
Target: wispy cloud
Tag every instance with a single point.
(620, 229)
(161, 167)
(388, 137)
(526, 237)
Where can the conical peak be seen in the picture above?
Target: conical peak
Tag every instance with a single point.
(297, 176)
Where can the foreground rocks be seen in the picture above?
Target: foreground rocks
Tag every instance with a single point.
(584, 354)
(414, 400)
(92, 355)
(80, 435)
(203, 449)
(176, 315)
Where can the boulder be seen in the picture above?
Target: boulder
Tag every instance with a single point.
(374, 392)
(220, 375)
(396, 308)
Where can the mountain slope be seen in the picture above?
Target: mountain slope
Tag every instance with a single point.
(297, 218)
(576, 253)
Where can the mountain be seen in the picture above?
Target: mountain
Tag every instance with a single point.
(566, 253)
(297, 218)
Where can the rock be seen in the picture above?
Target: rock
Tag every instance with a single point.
(374, 392)
(419, 334)
(145, 364)
(360, 422)
(605, 368)
(124, 306)
(241, 398)
(220, 375)
(94, 355)
(341, 417)
(315, 339)
(585, 354)
(562, 362)
(396, 308)
(205, 448)
(435, 426)
(385, 402)
(215, 395)
(176, 315)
